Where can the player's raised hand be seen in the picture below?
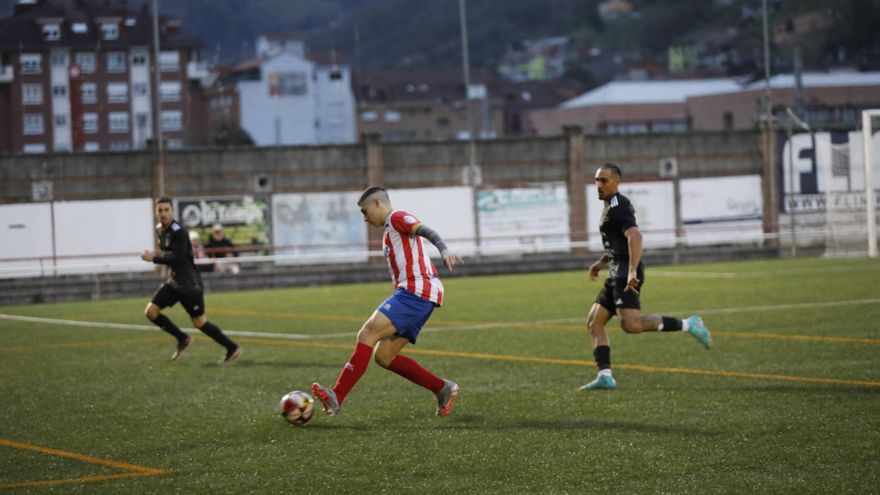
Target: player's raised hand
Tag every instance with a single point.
(450, 259)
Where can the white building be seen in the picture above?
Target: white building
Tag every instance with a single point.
(289, 97)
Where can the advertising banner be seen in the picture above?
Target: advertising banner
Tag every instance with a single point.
(524, 218)
(825, 170)
(318, 228)
(245, 220)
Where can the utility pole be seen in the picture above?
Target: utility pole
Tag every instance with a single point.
(157, 113)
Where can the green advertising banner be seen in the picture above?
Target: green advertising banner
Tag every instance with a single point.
(244, 220)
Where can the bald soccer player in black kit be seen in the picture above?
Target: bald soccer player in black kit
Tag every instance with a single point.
(184, 284)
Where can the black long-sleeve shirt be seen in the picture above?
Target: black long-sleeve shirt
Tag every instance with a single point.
(177, 254)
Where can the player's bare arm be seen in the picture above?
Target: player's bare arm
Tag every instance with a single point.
(634, 242)
(596, 267)
(449, 258)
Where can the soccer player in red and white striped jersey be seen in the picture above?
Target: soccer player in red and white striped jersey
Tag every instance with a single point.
(400, 318)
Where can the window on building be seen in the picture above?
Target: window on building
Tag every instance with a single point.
(59, 91)
(140, 89)
(172, 120)
(140, 120)
(89, 92)
(109, 31)
(58, 59)
(369, 116)
(51, 32)
(287, 83)
(92, 146)
(664, 126)
(90, 123)
(60, 120)
(31, 63)
(392, 116)
(118, 121)
(86, 62)
(33, 123)
(138, 59)
(727, 121)
(627, 128)
(116, 62)
(170, 91)
(117, 92)
(34, 148)
(175, 144)
(169, 61)
(79, 27)
(31, 94)
(120, 145)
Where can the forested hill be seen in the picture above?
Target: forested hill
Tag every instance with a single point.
(375, 34)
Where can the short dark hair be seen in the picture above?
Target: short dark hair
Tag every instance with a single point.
(164, 199)
(613, 168)
(371, 191)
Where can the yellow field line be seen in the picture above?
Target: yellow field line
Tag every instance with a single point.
(572, 327)
(87, 479)
(134, 469)
(588, 364)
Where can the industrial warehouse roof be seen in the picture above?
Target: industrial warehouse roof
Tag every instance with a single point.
(677, 91)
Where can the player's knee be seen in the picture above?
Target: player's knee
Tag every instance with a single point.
(631, 325)
(151, 312)
(199, 321)
(382, 359)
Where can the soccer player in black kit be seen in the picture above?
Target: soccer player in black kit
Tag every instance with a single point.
(626, 274)
(184, 285)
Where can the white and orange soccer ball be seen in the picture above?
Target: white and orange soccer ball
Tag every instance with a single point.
(297, 407)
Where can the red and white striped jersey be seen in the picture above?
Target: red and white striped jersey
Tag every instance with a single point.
(408, 261)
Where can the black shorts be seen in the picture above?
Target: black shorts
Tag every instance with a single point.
(193, 301)
(612, 296)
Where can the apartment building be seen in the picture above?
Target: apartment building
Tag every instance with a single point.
(286, 95)
(76, 75)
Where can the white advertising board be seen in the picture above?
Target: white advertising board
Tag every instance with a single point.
(448, 210)
(533, 218)
(722, 210)
(312, 228)
(104, 236)
(89, 237)
(26, 247)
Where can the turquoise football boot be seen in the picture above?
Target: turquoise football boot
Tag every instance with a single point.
(698, 330)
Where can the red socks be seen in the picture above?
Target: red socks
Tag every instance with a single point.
(406, 367)
(353, 371)
(414, 372)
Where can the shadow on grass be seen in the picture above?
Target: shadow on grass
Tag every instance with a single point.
(493, 424)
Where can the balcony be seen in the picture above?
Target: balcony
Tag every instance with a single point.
(198, 70)
(6, 75)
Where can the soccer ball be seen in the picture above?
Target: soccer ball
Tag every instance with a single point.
(297, 407)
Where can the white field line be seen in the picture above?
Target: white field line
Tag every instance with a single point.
(764, 274)
(152, 328)
(478, 326)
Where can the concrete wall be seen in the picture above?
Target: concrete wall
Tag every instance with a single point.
(503, 163)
